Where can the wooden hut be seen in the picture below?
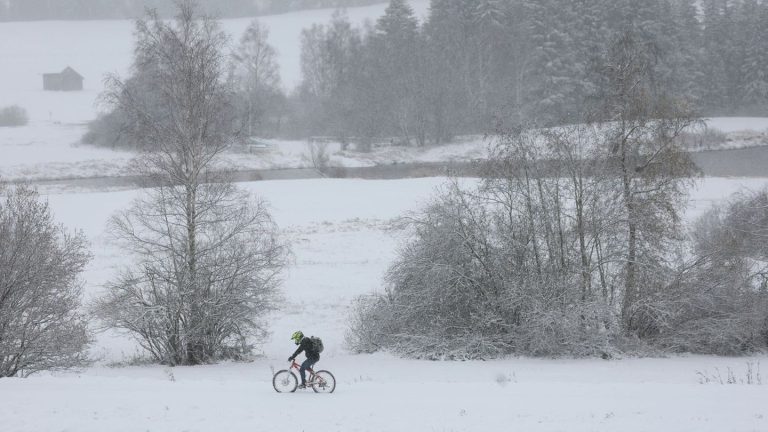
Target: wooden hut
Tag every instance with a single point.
(66, 80)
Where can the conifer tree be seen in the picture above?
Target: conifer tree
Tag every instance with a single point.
(755, 62)
(395, 42)
(714, 75)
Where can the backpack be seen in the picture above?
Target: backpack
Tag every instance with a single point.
(317, 344)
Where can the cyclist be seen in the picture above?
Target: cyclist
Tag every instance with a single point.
(313, 356)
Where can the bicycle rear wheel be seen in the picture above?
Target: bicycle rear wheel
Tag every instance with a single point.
(284, 381)
(324, 382)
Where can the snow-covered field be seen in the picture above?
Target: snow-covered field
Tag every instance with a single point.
(44, 150)
(383, 394)
(343, 238)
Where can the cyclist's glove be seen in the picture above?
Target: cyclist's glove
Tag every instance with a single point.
(290, 359)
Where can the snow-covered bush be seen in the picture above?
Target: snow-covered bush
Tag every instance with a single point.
(110, 130)
(722, 306)
(439, 302)
(318, 156)
(41, 327)
(702, 138)
(13, 115)
(466, 287)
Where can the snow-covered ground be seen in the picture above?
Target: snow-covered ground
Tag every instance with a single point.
(45, 150)
(378, 393)
(725, 133)
(343, 239)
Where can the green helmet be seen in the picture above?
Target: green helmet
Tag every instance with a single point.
(297, 336)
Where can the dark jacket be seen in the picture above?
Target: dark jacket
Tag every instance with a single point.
(308, 347)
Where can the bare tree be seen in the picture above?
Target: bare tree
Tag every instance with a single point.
(207, 256)
(191, 306)
(41, 327)
(640, 130)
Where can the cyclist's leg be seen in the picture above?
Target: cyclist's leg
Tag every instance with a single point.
(308, 364)
(303, 370)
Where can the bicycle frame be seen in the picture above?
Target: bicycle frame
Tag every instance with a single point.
(312, 376)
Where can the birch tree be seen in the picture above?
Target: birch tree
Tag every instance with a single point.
(206, 255)
(640, 126)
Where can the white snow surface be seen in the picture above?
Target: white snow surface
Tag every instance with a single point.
(737, 124)
(51, 150)
(343, 238)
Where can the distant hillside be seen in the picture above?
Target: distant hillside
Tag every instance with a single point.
(33, 10)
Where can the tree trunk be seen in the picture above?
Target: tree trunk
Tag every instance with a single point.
(629, 285)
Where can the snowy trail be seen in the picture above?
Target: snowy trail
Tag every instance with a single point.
(382, 394)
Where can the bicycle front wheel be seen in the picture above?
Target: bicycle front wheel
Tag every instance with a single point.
(324, 382)
(284, 381)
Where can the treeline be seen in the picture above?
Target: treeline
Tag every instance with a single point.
(473, 61)
(28, 10)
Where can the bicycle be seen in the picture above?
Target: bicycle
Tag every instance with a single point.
(286, 380)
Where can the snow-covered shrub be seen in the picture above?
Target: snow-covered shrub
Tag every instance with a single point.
(467, 286)
(702, 138)
(439, 303)
(41, 327)
(13, 115)
(577, 331)
(764, 331)
(110, 130)
(318, 156)
(722, 306)
(368, 330)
